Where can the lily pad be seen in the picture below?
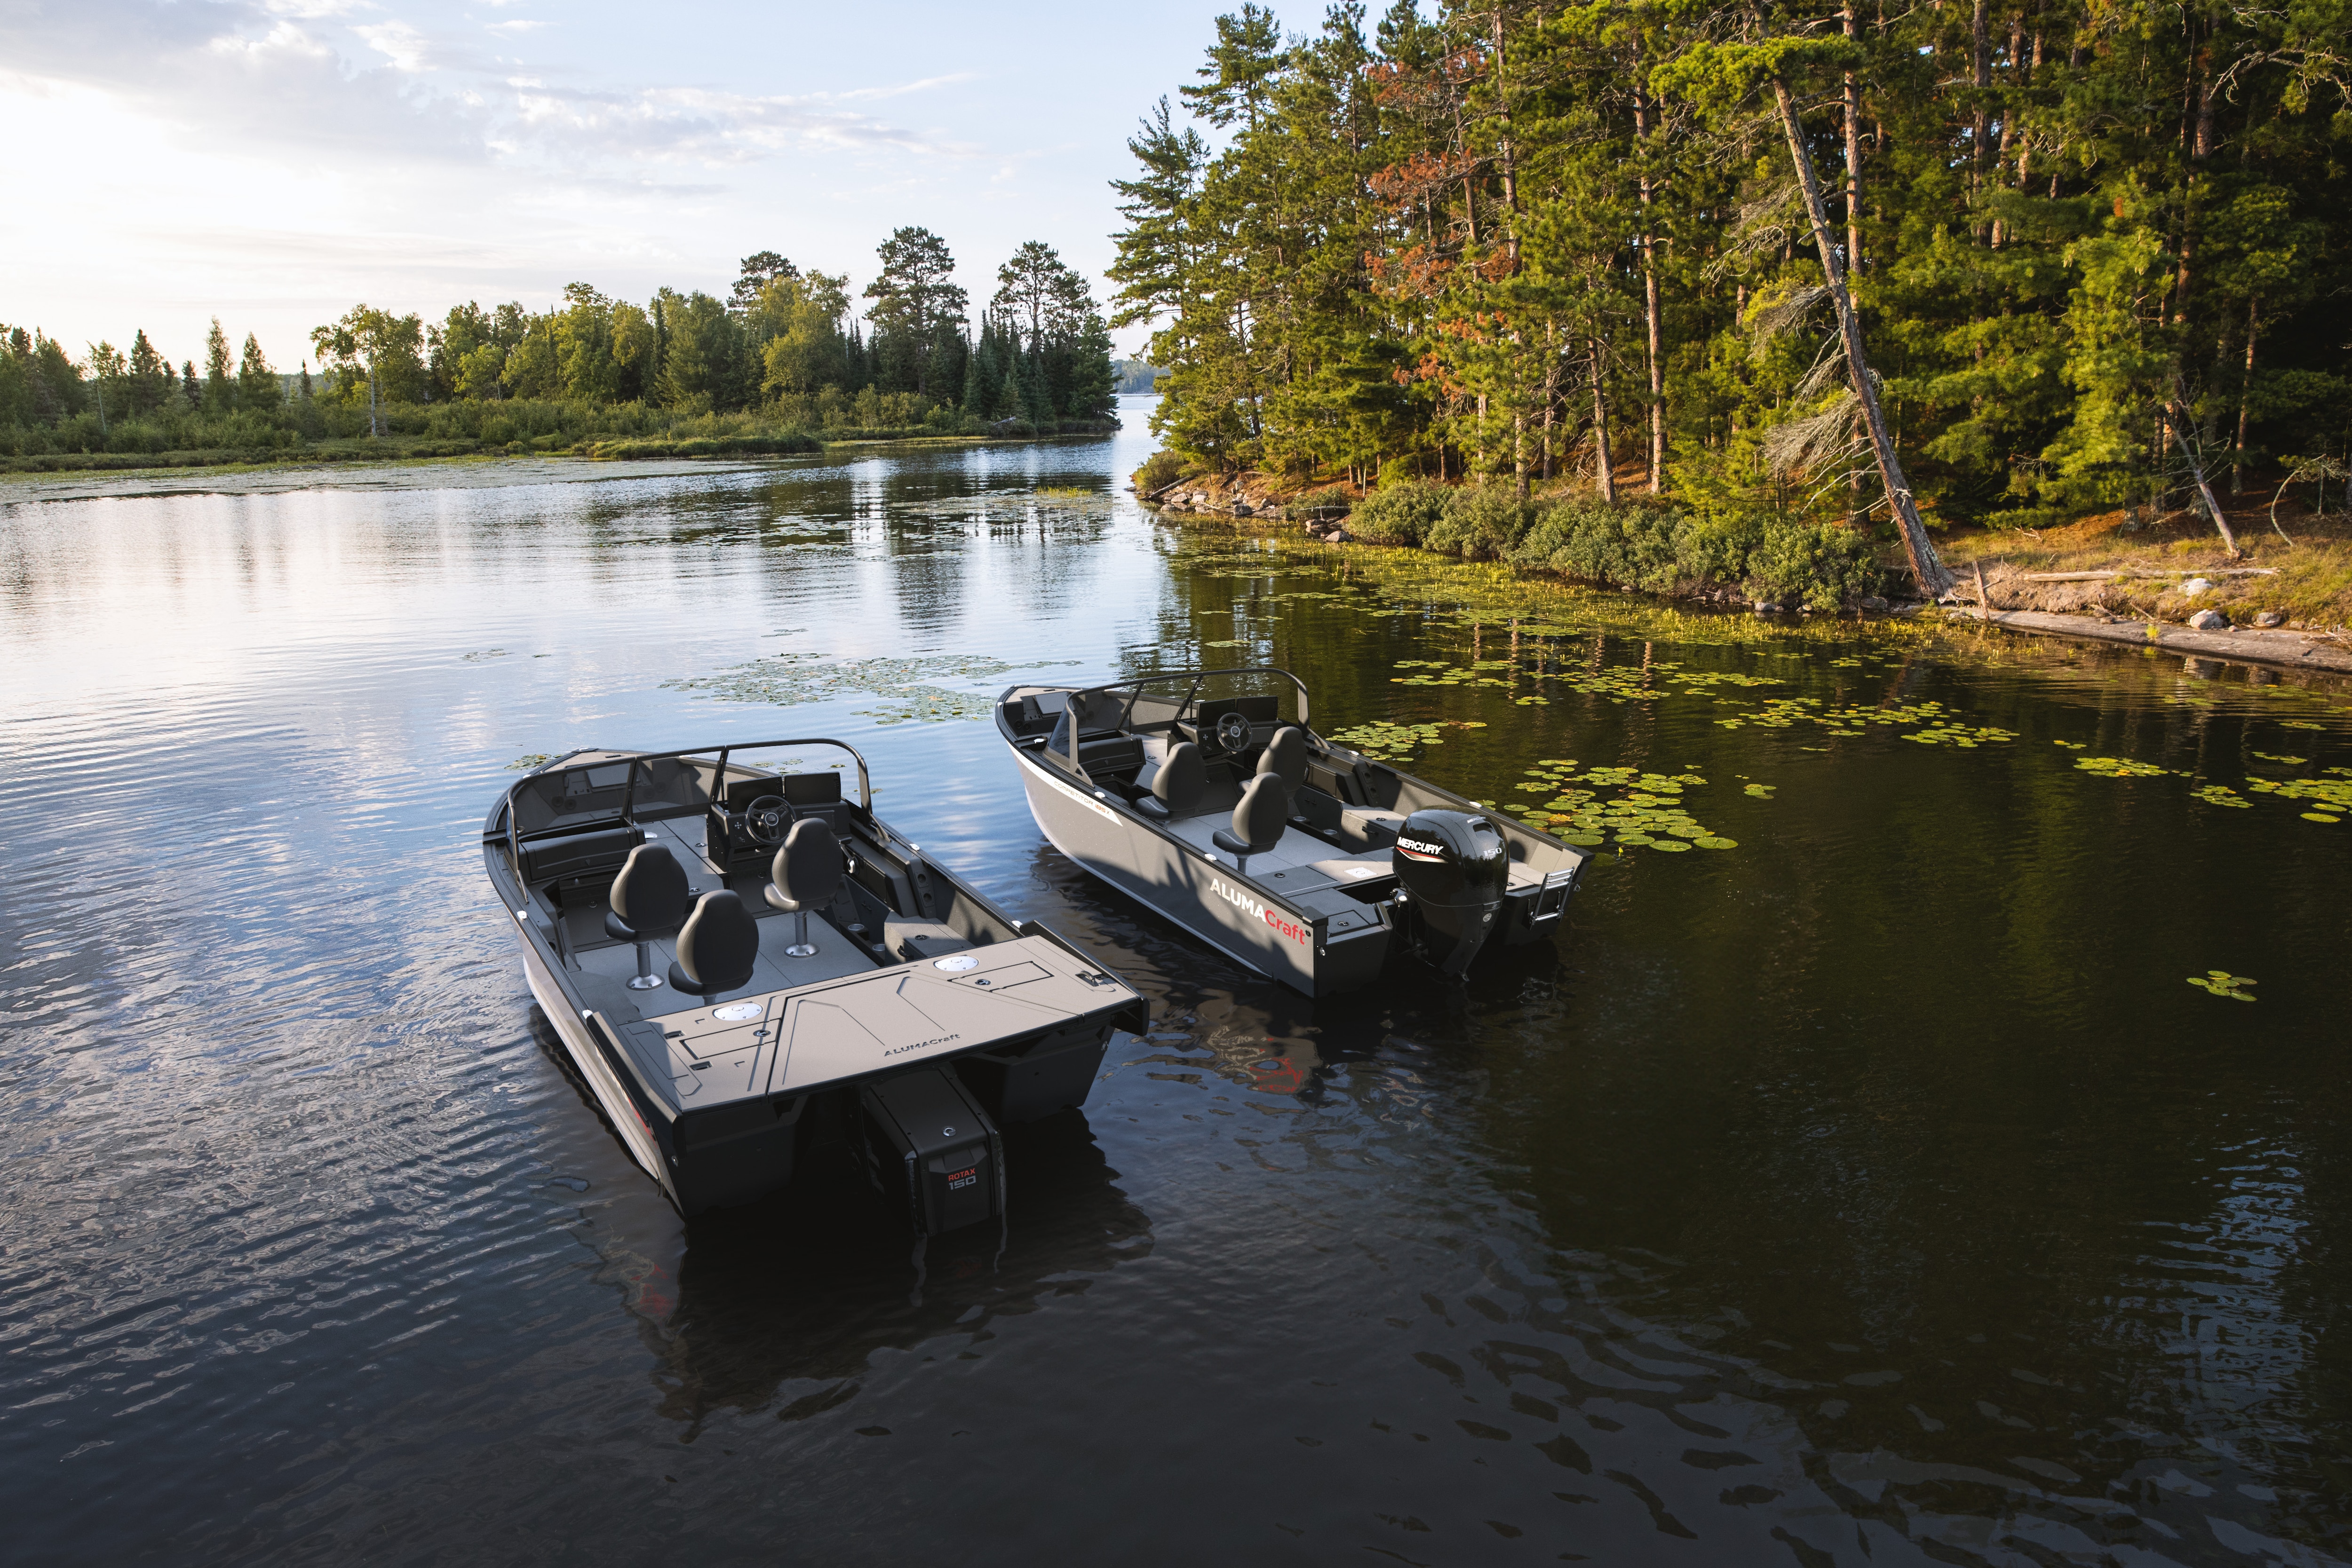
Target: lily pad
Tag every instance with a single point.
(1718, 843)
(2221, 983)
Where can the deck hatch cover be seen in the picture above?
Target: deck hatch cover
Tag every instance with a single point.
(890, 1017)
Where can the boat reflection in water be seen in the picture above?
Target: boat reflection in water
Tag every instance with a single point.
(804, 1293)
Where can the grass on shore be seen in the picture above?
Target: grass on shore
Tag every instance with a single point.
(2312, 562)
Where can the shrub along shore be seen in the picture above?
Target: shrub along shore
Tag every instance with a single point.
(2293, 573)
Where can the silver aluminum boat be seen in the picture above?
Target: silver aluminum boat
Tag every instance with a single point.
(732, 952)
(1305, 860)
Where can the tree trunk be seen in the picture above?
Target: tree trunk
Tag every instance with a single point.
(1653, 313)
(2196, 475)
(2238, 453)
(1605, 463)
(1935, 579)
(1980, 124)
(1856, 514)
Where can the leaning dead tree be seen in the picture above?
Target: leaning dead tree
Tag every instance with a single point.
(1722, 78)
(1936, 580)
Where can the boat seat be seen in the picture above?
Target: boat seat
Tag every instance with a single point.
(717, 948)
(805, 875)
(1258, 820)
(1285, 758)
(648, 900)
(578, 854)
(1178, 786)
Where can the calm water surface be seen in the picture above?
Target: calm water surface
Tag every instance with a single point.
(1875, 1191)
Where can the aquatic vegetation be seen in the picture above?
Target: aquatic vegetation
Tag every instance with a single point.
(2301, 723)
(2222, 795)
(2290, 762)
(1386, 742)
(1761, 791)
(2071, 744)
(2221, 983)
(1959, 735)
(2119, 767)
(483, 655)
(788, 680)
(2331, 796)
(1647, 814)
(529, 761)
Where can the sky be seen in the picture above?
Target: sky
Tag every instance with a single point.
(275, 161)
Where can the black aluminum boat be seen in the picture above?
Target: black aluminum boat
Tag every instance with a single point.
(725, 948)
(1305, 860)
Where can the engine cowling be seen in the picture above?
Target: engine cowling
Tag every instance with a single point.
(1454, 869)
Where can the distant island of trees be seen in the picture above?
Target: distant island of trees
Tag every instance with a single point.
(782, 356)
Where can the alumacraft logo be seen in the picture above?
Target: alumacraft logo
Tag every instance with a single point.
(920, 1045)
(1242, 901)
(1420, 849)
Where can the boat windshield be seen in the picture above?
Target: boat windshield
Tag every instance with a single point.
(1262, 695)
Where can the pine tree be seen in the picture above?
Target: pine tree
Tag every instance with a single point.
(257, 389)
(219, 395)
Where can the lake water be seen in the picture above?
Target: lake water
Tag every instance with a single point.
(1876, 1189)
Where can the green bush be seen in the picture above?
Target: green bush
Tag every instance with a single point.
(1630, 546)
(1402, 513)
(1819, 565)
(1159, 470)
(1481, 523)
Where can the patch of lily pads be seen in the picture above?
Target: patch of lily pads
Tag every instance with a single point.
(1386, 742)
(1623, 806)
(2331, 798)
(2221, 983)
(909, 684)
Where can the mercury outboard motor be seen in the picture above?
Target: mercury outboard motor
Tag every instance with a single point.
(1452, 868)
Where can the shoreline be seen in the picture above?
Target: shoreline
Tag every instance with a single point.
(2271, 650)
(335, 463)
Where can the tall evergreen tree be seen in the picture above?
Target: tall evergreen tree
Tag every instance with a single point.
(916, 306)
(220, 395)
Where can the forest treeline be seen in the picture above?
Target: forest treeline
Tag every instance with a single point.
(2096, 248)
(785, 351)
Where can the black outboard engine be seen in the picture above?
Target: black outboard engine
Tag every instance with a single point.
(1452, 869)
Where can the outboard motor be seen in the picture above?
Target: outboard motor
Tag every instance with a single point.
(1452, 868)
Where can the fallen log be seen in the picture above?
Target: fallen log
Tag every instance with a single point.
(2165, 571)
(2281, 650)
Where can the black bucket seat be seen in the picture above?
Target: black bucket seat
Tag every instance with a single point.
(1176, 788)
(648, 899)
(1257, 820)
(717, 948)
(1285, 758)
(805, 875)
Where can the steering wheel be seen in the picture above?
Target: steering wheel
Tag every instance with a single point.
(766, 819)
(1233, 731)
